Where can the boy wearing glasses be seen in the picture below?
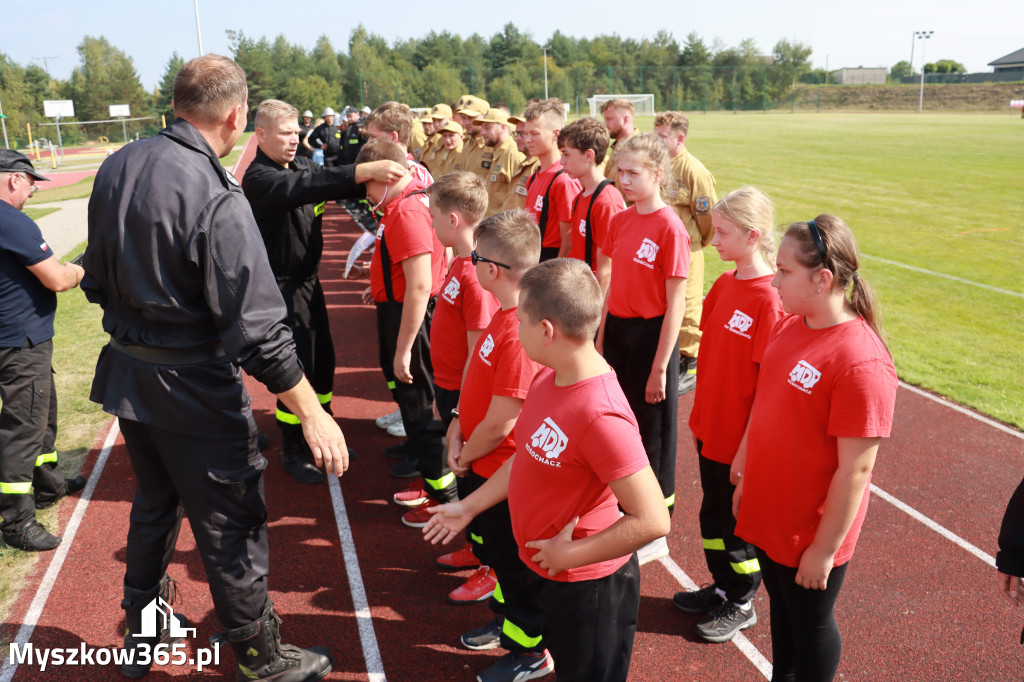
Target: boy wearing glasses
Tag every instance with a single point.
(480, 440)
(550, 191)
(516, 197)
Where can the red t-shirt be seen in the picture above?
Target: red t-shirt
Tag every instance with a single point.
(563, 190)
(463, 305)
(645, 250)
(737, 322)
(571, 441)
(815, 385)
(607, 204)
(499, 366)
(420, 175)
(407, 221)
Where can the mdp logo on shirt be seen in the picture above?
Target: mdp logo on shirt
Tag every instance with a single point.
(740, 323)
(583, 227)
(451, 292)
(485, 349)
(538, 205)
(804, 376)
(647, 253)
(549, 440)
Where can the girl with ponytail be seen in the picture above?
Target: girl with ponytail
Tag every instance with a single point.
(824, 401)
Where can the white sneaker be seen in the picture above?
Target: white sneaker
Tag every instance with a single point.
(397, 429)
(388, 419)
(656, 549)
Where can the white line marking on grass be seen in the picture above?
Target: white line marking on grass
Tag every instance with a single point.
(741, 642)
(963, 410)
(361, 605)
(897, 264)
(941, 530)
(35, 610)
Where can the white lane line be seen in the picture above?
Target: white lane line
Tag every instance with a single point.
(741, 642)
(35, 610)
(943, 275)
(963, 410)
(361, 605)
(941, 530)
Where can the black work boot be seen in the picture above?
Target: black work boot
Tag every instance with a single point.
(133, 604)
(261, 656)
(298, 464)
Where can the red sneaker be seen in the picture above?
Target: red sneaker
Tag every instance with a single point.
(413, 496)
(463, 558)
(479, 587)
(418, 517)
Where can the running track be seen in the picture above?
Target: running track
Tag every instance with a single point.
(916, 605)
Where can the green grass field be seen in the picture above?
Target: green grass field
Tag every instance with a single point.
(939, 192)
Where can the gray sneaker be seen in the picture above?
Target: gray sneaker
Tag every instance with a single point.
(484, 637)
(698, 601)
(723, 623)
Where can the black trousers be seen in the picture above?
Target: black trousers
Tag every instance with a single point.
(732, 561)
(514, 600)
(806, 644)
(589, 625)
(28, 433)
(548, 253)
(311, 329)
(630, 345)
(416, 400)
(218, 484)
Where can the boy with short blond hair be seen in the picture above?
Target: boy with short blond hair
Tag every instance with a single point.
(579, 460)
(394, 121)
(583, 144)
(550, 191)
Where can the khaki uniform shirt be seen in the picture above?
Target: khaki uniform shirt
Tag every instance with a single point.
(430, 151)
(472, 151)
(502, 164)
(446, 160)
(692, 197)
(417, 138)
(516, 197)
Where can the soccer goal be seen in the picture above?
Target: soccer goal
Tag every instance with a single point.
(643, 104)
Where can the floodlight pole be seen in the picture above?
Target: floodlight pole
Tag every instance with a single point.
(923, 35)
(3, 122)
(545, 48)
(199, 32)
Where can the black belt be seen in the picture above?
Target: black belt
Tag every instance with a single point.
(171, 356)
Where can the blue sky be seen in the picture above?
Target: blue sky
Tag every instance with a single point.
(866, 33)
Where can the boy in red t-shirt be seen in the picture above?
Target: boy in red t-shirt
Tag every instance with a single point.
(550, 191)
(480, 438)
(579, 458)
(584, 144)
(406, 272)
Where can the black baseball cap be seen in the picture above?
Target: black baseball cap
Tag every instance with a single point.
(16, 162)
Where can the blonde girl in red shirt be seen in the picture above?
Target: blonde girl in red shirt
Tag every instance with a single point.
(650, 256)
(738, 316)
(824, 401)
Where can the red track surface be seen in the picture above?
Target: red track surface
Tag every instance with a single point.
(59, 179)
(915, 606)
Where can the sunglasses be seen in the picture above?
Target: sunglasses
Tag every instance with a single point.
(480, 259)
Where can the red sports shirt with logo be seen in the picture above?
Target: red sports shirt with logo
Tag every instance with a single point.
(407, 231)
(563, 190)
(498, 367)
(462, 305)
(815, 385)
(571, 442)
(737, 322)
(645, 251)
(606, 205)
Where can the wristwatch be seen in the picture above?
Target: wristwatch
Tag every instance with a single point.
(455, 413)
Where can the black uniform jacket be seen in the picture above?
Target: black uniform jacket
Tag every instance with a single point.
(176, 261)
(329, 134)
(288, 204)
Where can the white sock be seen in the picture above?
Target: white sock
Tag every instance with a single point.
(745, 606)
(720, 592)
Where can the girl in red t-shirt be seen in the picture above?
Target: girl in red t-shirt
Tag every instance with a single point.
(824, 401)
(650, 255)
(738, 316)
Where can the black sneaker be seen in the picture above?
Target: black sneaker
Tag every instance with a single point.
(407, 468)
(484, 637)
(31, 537)
(723, 623)
(698, 601)
(297, 465)
(518, 668)
(398, 450)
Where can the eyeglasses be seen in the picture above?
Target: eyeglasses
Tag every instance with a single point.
(27, 178)
(480, 259)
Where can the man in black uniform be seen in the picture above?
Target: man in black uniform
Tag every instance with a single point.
(176, 261)
(305, 128)
(287, 194)
(29, 276)
(352, 140)
(325, 136)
